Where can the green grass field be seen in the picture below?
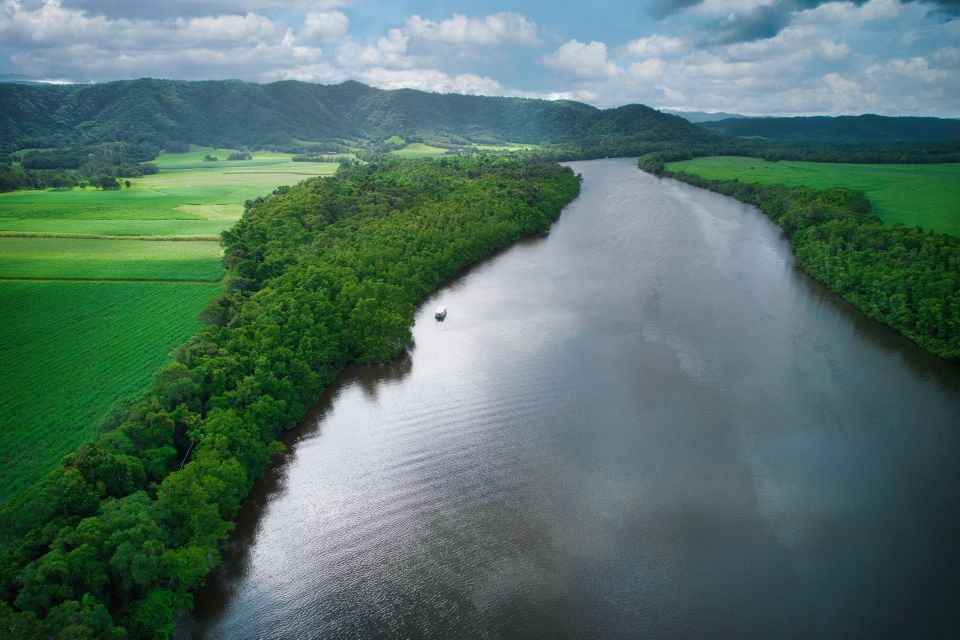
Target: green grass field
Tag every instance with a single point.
(187, 198)
(73, 349)
(926, 195)
(419, 150)
(507, 146)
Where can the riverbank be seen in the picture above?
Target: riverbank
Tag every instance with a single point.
(907, 278)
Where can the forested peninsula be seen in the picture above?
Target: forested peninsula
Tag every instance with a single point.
(320, 274)
(907, 278)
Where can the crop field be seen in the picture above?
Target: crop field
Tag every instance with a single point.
(71, 350)
(98, 287)
(925, 195)
(68, 258)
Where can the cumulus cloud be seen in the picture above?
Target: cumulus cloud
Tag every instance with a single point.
(324, 26)
(170, 9)
(50, 25)
(916, 69)
(798, 44)
(496, 29)
(431, 80)
(55, 41)
(850, 13)
(390, 51)
(582, 60)
(748, 20)
(656, 45)
(947, 56)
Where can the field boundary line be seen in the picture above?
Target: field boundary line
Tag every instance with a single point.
(97, 236)
(69, 279)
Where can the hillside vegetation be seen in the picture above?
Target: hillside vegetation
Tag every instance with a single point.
(842, 129)
(327, 272)
(238, 114)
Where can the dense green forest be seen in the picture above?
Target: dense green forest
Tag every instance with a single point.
(842, 129)
(905, 277)
(320, 274)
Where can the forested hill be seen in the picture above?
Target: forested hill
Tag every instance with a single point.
(240, 114)
(846, 129)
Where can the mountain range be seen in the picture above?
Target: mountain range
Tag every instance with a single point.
(238, 114)
(234, 114)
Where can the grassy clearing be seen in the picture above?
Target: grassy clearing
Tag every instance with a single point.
(197, 154)
(925, 195)
(73, 349)
(419, 150)
(507, 146)
(110, 259)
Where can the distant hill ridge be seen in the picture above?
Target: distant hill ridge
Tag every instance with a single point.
(231, 113)
(844, 129)
(704, 116)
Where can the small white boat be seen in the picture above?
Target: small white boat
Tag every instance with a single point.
(441, 313)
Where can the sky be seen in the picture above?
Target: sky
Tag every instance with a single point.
(766, 57)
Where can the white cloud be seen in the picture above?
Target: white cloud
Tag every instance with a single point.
(581, 95)
(649, 69)
(582, 60)
(915, 69)
(796, 43)
(947, 56)
(724, 8)
(671, 95)
(431, 80)
(50, 24)
(228, 30)
(656, 45)
(171, 9)
(390, 51)
(324, 26)
(830, 50)
(496, 29)
(841, 85)
(848, 12)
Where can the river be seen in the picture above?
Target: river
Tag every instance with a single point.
(648, 424)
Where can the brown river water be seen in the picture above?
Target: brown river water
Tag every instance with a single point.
(648, 424)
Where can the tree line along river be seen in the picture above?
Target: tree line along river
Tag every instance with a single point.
(647, 424)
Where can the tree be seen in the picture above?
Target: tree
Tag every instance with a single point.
(107, 183)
